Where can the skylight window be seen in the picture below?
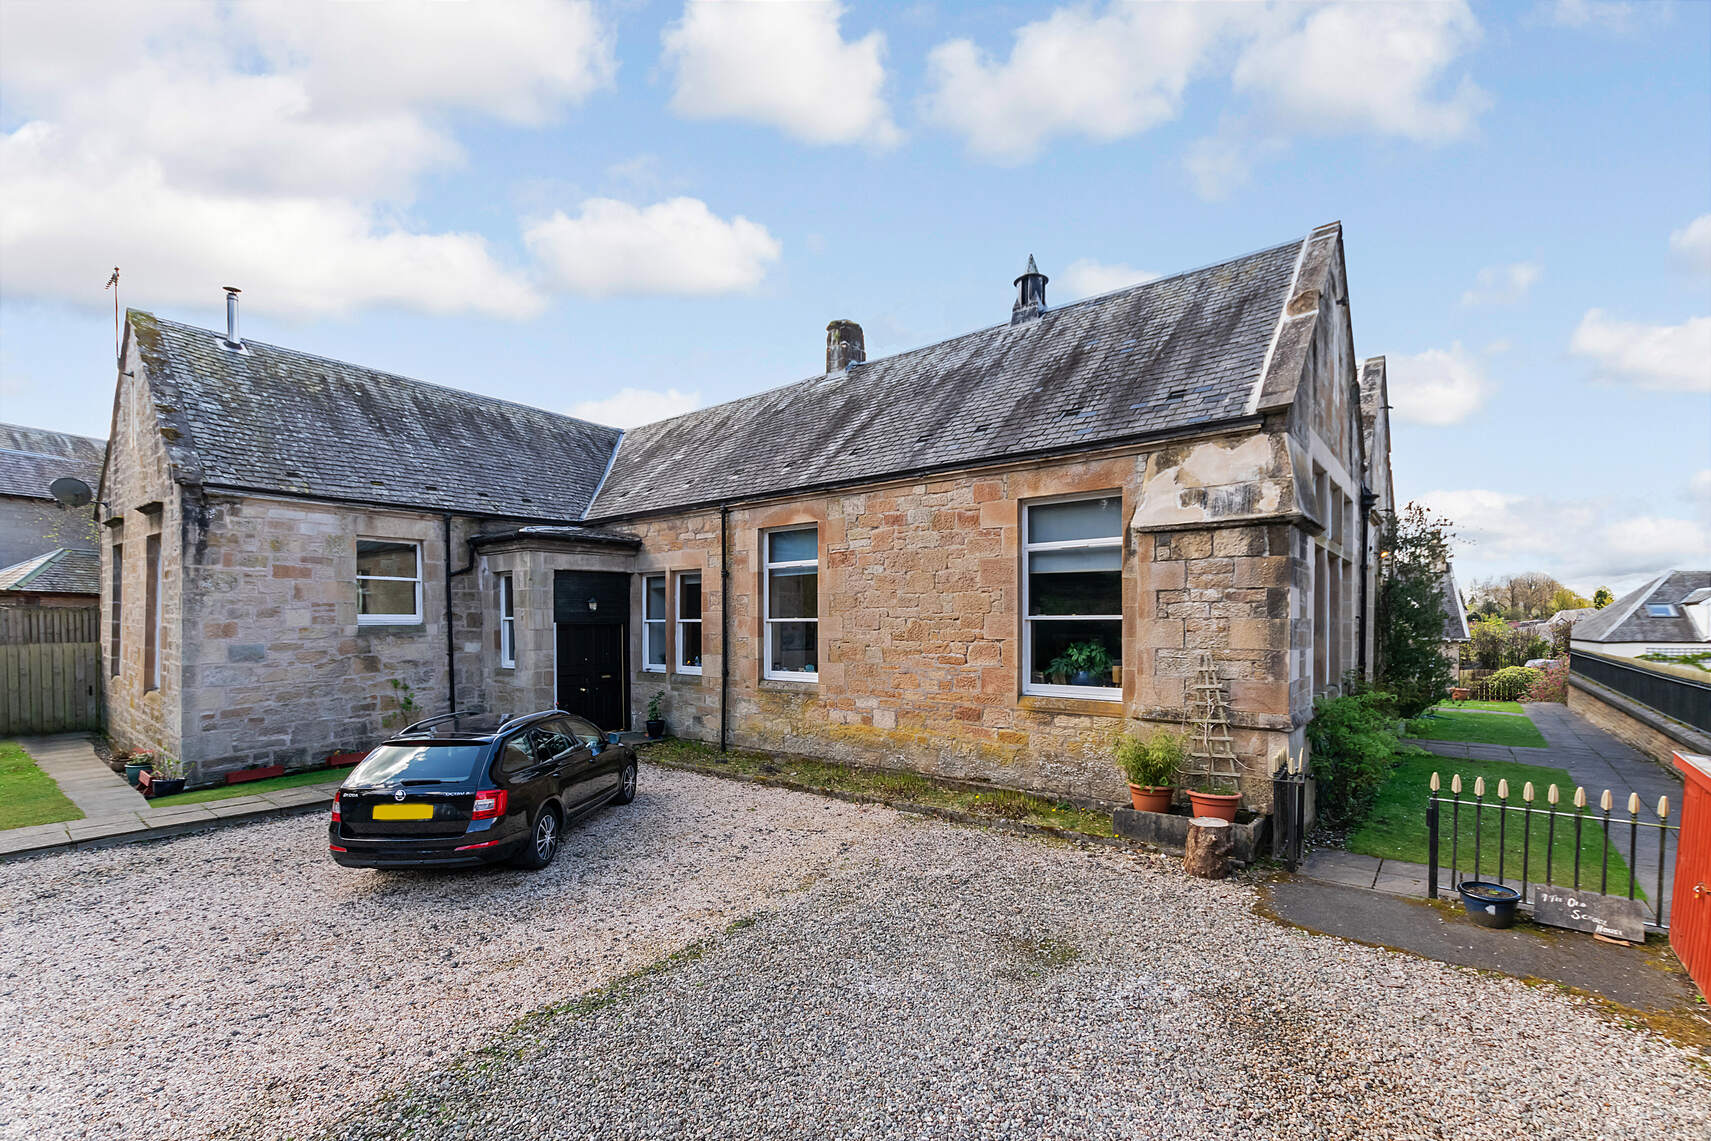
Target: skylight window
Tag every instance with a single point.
(1660, 610)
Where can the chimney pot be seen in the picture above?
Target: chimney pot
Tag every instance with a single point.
(845, 346)
(1030, 294)
(232, 337)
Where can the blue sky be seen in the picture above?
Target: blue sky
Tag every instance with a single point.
(628, 209)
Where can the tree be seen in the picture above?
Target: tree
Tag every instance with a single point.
(1520, 596)
(1486, 636)
(1565, 599)
(1602, 597)
(1410, 636)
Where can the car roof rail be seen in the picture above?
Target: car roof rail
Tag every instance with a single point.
(421, 726)
(525, 718)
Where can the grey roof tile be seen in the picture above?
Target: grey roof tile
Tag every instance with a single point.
(1165, 355)
(32, 458)
(274, 419)
(1626, 620)
(61, 571)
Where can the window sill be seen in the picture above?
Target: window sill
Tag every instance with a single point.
(1090, 706)
(689, 671)
(791, 683)
(364, 629)
(653, 669)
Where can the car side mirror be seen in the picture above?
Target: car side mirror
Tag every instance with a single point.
(612, 738)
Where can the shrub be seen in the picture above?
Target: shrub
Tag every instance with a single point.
(1410, 614)
(1153, 760)
(1353, 742)
(1511, 683)
(1551, 686)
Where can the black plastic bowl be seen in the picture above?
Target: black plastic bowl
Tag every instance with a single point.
(1489, 904)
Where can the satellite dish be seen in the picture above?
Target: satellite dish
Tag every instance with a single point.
(71, 491)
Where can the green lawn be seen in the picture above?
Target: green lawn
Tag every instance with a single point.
(1396, 829)
(880, 784)
(1488, 706)
(28, 795)
(1477, 728)
(251, 788)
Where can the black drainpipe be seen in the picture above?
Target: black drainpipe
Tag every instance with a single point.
(724, 622)
(451, 658)
(1367, 501)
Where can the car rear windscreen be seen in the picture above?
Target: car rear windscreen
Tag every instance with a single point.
(392, 763)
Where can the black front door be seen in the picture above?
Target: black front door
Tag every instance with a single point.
(591, 672)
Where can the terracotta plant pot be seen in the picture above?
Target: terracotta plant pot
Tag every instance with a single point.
(1151, 798)
(1219, 804)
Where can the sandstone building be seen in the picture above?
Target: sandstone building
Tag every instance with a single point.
(982, 558)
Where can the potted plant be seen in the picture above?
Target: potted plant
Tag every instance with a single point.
(167, 778)
(1218, 798)
(656, 717)
(1083, 663)
(137, 763)
(1151, 764)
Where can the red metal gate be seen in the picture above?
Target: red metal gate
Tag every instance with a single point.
(1690, 906)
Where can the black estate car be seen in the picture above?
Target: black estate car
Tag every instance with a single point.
(464, 789)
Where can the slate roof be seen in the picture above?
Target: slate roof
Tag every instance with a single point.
(32, 458)
(274, 419)
(61, 571)
(1455, 614)
(1168, 354)
(1626, 620)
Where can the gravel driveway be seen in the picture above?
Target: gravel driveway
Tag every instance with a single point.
(903, 978)
(276, 978)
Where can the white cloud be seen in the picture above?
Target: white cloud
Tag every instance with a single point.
(267, 144)
(1086, 277)
(1692, 243)
(784, 65)
(1585, 542)
(1103, 77)
(678, 246)
(1438, 387)
(631, 406)
(1667, 357)
(1367, 67)
(1502, 284)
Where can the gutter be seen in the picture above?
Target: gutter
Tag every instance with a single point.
(724, 625)
(451, 646)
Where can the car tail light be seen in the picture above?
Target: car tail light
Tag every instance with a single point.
(489, 803)
(483, 844)
(336, 817)
(336, 848)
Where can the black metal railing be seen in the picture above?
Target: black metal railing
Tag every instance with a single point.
(1681, 698)
(1577, 843)
(1289, 812)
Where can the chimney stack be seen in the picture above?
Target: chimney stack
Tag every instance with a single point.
(232, 338)
(844, 346)
(1030, 294)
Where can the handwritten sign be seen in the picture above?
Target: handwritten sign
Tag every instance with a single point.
(1609, 915)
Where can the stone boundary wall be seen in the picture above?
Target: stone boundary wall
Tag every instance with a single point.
(1634, 724)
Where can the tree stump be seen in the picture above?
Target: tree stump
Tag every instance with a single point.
(1209, 846)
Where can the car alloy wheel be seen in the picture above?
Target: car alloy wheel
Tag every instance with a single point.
(628, 792)
(546, 837)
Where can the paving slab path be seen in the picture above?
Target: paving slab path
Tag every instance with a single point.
(114, 812)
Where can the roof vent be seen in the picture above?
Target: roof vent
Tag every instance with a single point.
(233, 341)
(1030, 294)
(845, 346)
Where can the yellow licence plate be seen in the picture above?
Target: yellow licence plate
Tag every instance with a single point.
(403, 812)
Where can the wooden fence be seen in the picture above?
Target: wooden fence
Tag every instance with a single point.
(50, 669)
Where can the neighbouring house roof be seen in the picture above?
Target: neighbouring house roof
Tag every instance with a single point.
(32, 458)
(1166, 355)
(1455, 614)
(276, 420)
(61, 571)
(1574, 615)
(1626, 619)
